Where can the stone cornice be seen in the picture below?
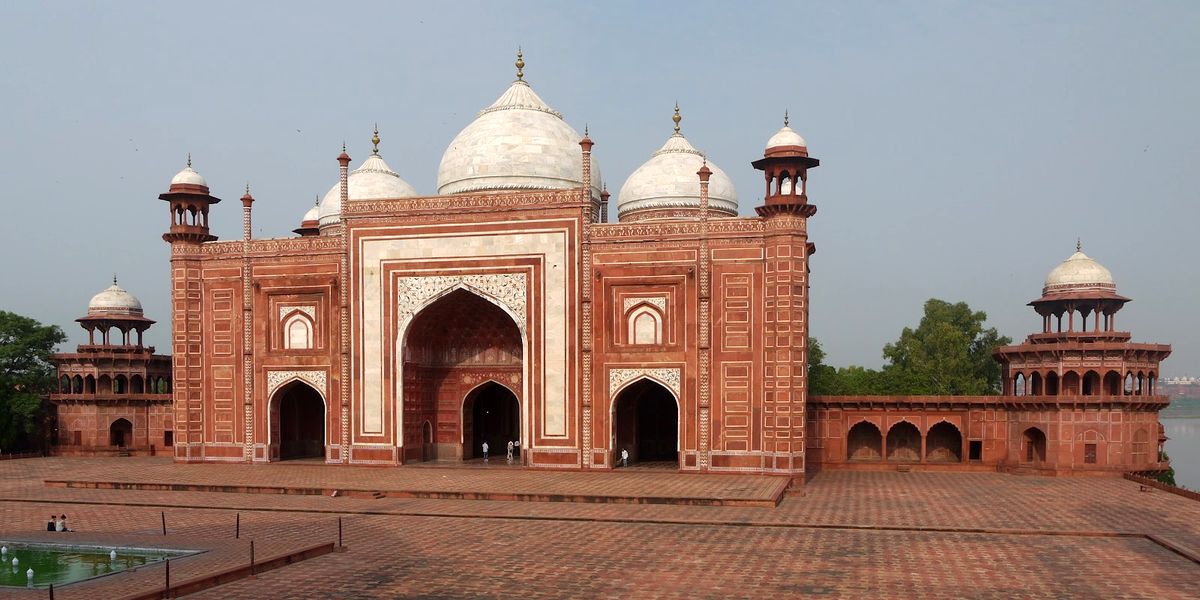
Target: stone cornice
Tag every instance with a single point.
(1005, 402)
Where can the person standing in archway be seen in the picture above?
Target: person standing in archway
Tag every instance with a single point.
(509, 456)
(485, 451)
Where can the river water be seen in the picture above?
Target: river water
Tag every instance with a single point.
(1183, 446)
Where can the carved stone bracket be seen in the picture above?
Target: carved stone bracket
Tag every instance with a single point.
(276, 379)
(666, 376)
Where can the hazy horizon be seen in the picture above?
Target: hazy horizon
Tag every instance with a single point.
(964, 146)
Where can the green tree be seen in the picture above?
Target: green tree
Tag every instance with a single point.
(822, 378)
(26, 376)
(949, 353)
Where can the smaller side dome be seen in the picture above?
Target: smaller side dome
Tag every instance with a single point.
(1078, 273)
(373, 180)
(188, 179)
(312, 214)
(114, 301)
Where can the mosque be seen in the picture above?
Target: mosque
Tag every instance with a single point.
(397, 327)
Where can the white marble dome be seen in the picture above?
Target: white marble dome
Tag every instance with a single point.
(373, 180)
(669, 181)
(786, 137)
(188, 176)
(517, 143)
(1079, 273)
(312, 214)
(114, 301)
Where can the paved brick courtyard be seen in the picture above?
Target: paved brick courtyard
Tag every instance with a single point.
(890, 535)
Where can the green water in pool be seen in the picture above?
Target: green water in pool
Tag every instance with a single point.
(60, 564)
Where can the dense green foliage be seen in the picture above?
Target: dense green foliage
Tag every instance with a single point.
(26, 376)
(949, 353)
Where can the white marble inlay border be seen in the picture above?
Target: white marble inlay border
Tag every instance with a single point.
(659, 302)
(413, 293)
(311, 311)
(617, 378)
(276, 379)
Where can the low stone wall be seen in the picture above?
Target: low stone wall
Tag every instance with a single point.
(1154, 483)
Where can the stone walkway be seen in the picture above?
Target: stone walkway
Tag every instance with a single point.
(879, 535)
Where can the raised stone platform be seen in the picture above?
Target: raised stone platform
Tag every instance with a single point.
(500, 483)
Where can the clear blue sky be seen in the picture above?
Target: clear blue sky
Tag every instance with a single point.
(964, 146)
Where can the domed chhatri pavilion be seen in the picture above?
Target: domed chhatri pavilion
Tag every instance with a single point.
(401, 327)
(113, 393)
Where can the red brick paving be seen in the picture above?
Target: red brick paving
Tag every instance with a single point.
(808, 546)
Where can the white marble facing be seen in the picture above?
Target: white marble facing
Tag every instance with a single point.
(549, 244)
(373, 180)
(1079, 271)
(669, 180)
(516, 143)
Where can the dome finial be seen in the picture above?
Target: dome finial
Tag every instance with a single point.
(520, 64)
(247, 188)
(375, 140)
(114, 279)
(1078, 245)
(676, 118)
(785, 117)
(189, 160)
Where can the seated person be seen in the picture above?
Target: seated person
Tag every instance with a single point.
(50, 525)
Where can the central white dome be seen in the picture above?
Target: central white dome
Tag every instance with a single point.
(669, 181)
(517, 143)
(374, 180)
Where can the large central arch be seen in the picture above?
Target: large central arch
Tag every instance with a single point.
(297, 422)
(450, 345)
(645, 422)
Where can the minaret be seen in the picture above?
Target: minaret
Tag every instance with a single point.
(589, 209)
(247, 333)
(189, 201)
(785, 212)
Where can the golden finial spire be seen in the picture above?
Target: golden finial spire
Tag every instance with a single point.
(520, 64)
(677, 118)
(1078, 245)
(785, 117)
(375, 140)
(189, 160)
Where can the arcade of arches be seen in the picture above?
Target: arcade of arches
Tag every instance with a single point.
(462, 371)
(941, 443)
(646, 424)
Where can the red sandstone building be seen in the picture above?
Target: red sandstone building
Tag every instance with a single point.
(114, 394)
(399, 327)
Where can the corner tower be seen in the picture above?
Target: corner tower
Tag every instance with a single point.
(785, 212)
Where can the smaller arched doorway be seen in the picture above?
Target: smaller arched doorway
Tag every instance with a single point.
(491, 414)
(645, 421)
(120, 433)
(1034, 442)
(297, 422)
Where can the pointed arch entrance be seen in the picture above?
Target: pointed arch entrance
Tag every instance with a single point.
(492, 414)
(120, 433)
(1033, 449)
(450, 346)
(297, 422)
(645, 421)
